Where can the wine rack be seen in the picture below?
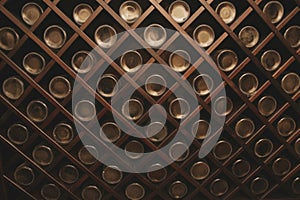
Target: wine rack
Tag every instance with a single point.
(259, 170)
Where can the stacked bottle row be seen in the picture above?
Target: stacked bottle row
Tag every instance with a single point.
(60, 87)
(155, 35)
(110, 132)
(25, 175)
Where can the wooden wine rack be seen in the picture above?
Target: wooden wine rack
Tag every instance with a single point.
(249, 12)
